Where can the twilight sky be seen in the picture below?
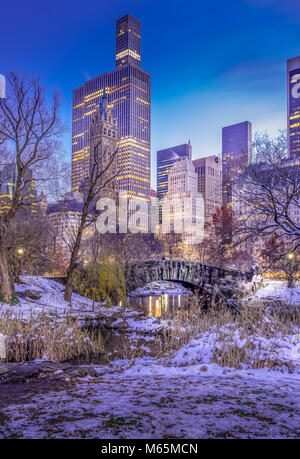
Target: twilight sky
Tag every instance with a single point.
(212, 63)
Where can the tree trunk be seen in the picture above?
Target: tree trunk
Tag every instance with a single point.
(69, 285)
(71, 268)
(291, 282)
(7, 284)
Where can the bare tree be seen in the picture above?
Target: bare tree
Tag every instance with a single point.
(122, 248)
(100, 176)
(28, 245)
(29, 129)
(267, 197)
(216, 247)
(276, 255)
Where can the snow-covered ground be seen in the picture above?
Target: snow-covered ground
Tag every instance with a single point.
(174, 405)
(184, 395)
(278, 291)
(52, 302)
(284, 349)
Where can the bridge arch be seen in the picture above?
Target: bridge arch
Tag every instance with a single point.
(189, 273)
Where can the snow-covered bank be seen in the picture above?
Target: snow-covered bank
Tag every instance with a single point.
(49, 299)
(278, 291)
(225, 344)
(37, 295)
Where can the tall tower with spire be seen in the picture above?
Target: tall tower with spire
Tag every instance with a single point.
(126, 91)
(103, 146)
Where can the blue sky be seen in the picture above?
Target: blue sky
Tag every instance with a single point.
(212, 63)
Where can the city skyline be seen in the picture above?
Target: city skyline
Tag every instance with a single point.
(149, 316)
(249, 78)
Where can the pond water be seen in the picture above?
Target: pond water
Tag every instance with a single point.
(156, 300)
(164, 305)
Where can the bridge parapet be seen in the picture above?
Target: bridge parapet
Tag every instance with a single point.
(197, 275)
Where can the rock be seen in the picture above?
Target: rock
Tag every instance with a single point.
(228, 278)
(23, 371)
(32, 295)
(239, 293)
(119, 324)
(82, 372)
(12, 373)
(208, 289)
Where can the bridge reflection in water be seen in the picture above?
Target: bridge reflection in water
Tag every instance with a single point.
(159, 306)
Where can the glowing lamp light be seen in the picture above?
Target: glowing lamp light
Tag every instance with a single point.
(20, 251)
(290, 255)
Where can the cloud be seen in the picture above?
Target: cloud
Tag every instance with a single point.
(290, 9)
(258, 75)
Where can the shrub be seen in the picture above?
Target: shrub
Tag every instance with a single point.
(103, 281)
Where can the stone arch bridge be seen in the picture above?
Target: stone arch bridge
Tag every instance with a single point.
(196, 275)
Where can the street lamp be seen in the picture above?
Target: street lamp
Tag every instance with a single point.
(290, 256)
(20, 251)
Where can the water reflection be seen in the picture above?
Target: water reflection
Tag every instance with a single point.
(159, 306)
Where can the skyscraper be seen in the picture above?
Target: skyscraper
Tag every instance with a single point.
(236, 155)
(165, 160)
(293, 107)
(180, 209)
(209, 172)
(8, 180)
(128, 89)
(128, 41)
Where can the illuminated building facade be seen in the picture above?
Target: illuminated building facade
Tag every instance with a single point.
(8, 180)
(128, 90)
(236, 155)
(128, 41)
(209, 172)
(179, 210)
(165, 160)
(293, 106)
(64, 217)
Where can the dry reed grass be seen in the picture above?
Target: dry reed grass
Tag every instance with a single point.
(48, 338)
(254, 323)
